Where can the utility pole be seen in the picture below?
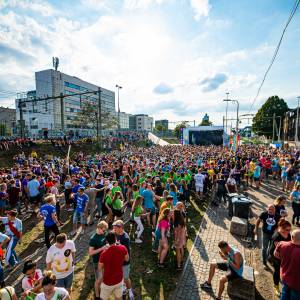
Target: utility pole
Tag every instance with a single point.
(297, 122)
(62, 113)
(226, 111)
(279, 130)
(100, 117)
(119, 87)
(21, 118)
(273, 137)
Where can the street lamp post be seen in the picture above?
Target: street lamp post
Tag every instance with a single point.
(297, 122)
(237, 113)
(118, 87)
(226, 112)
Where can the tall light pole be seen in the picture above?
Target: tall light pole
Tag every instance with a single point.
(226, 112)
(118, 87)
(297, 122)
(237, 113)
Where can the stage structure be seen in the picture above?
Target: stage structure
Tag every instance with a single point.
(205, 135)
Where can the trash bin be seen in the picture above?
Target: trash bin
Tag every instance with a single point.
(241, 207)
(229, 198)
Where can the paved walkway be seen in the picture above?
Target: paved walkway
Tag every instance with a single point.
(215, 227)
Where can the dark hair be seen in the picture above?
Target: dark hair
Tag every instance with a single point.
(110, 237)
(222, 244)
(49, 278)
(61, 238)
(179, 218)
(28, 265)
(284, 223)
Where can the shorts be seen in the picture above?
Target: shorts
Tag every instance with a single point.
(117, 212)
(231, 274)
(65, 282)
(97, 272)
(108, 290)
(199, 188)
(78, 216)
(2, 203)
(152, 211)
(256, 178)
(35, 200)
(126, 271)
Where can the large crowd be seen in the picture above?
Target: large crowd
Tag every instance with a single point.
(150, 187)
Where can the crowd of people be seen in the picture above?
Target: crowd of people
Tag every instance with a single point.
(150, 187)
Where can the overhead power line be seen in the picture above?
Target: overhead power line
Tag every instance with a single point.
(295, 7)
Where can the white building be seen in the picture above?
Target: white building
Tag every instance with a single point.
(124, 120)
(54, 115)
(144, 122)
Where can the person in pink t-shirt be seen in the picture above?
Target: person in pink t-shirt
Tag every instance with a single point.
(162, 233)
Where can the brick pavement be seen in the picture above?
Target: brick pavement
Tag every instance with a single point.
(214, 227)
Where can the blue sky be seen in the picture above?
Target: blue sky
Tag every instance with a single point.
(175, 59)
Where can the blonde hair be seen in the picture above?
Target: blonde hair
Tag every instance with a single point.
(102, 225)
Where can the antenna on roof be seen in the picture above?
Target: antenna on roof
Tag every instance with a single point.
(55, 62)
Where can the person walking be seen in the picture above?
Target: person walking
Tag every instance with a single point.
(282, 234)
(48, 214)
(270, 220)
(289, 255)
(111, 265)
(97, 245)
(122, 238)
(13, 229)
(61, 260)
(81, 200)
(295, 198)
(233, 263)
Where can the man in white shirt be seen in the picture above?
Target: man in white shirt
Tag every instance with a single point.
(199, 183)
(61, 259)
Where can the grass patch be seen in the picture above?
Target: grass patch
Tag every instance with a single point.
(148, 281)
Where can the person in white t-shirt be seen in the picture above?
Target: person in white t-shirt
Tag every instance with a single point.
(8, 293)
(199, 183)
(61, 259)
(32, 281)
(50, 291)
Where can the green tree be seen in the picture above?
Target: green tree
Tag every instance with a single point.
(87, 117)
(262, 122)
(160, 128)
(177, 128)
(205, 123)
(3, 129)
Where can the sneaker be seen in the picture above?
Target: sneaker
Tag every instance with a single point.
(161, 266)
(130, 294)
(82, 232)
(206, 286)
(276, 290)
(138, 241)
(70, 209)
(73, 232)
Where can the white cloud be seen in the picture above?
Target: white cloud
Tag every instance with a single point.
(201, 8)
(42, 7)
(135, 4)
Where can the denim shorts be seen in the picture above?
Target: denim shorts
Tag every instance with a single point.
(65, 282)
(78, 216)
(126, 271)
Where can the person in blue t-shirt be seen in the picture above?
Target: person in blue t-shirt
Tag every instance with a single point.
(48, 214)
(149, 198)
(81, 199)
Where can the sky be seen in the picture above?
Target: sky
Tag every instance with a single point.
(175, 59)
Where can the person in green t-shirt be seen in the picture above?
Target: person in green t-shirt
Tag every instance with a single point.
(117, 205)
(137, 212)
(115, 188)
(98, 244)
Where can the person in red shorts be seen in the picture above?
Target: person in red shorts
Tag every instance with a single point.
(111, 265)
(289, 255)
